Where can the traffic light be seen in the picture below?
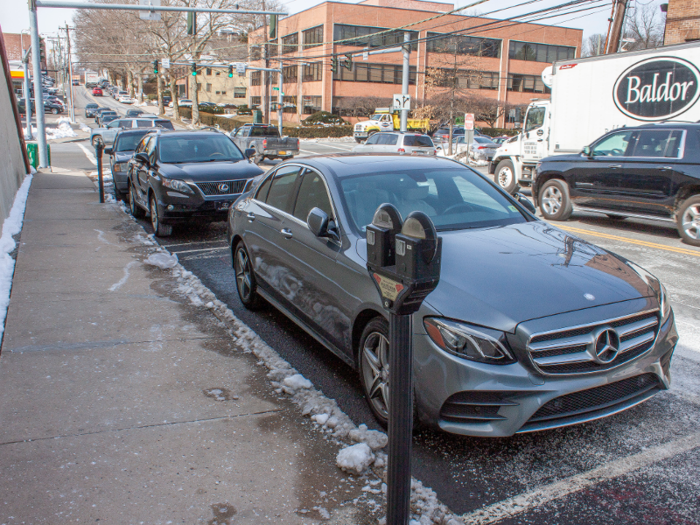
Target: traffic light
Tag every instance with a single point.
(273, 26)
(334, 65)
(230, 71)
(191, 23)
(155, 67)
(194, 69)
(347, 63)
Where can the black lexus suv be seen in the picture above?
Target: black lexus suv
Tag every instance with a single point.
(178, 175)
(645, 172)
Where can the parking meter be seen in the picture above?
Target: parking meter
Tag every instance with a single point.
(99, 147)
(403, 259)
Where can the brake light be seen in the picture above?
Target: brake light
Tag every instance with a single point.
(401, 150)
(482, 147)
(264, 143)
(297, 143)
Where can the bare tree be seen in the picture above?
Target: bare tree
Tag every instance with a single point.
(362, 107)
(594, 45)
(645, 27)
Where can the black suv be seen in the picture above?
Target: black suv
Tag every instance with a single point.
(645, 172)
(178, 175)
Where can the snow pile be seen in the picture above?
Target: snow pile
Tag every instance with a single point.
(63, 130)
(162, 260)
(85, 128)
(11, 226)
(297, 381)
(355, 458)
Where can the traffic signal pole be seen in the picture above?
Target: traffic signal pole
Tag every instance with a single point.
(38, 87)
(404, 78)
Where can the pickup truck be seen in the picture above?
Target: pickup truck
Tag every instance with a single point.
(266, 142)
(386, 119)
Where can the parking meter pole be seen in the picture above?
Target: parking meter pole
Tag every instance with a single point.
(404, 79)
(400, 420)
(100, 181)
(38, 87)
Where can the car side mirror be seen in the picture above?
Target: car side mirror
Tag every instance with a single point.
(250, 152)
(109, 151)
(142, 157)
(587, 151)
(320, 224)
(525, 202)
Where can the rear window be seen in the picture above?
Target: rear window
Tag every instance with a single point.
(262, 131)
(91, 106)
(144, 124)
(418, 141)
(164, 124)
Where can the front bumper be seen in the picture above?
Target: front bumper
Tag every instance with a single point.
(179, 207)
(476, 399)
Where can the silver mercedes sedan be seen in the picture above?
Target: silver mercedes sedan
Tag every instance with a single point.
(530, 328)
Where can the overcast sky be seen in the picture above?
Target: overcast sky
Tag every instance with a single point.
(14, 16)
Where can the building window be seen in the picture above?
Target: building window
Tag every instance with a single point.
(256, 78)
(527, 84)
(312, 72)
(464, 45)
(208, 88)
(199, 86)
(468, 79)
(290, 104)
(290, 43)
(218, 92)
(224, 92)
(255, 101)
(289, 74)
(218, 73)
(361, 36)
(208, 71)
(383, 73)
(311, 105)
(238, 92)
(255, 52)
(540, 52)
(313, 37)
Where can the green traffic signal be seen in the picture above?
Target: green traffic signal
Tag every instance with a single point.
(155, 67)
(194, 69)
(230, 71)
(334, 65)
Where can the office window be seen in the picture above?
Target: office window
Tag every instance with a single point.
(540, 52)
(224, 92)
(209, 71)
(468, 79)
(313, 37)
(289, 74)
(239, 92)
(255, 101)
(312, 72)
(208, 88)
(218, 73)
(290, 43)
(527, 84)
(379, 73)
(218, 92)
(311, 104)
(290, 104)
(464, 45)
(256, 78)
(199, 86)
(361, 36)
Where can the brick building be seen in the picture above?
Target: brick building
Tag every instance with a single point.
(682, 21)
(496, 59)
(16, 44)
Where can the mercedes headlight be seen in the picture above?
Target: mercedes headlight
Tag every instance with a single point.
(177, 185)
(659, 289)
(471, 342)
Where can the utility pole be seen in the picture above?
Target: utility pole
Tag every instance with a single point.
(404, 79)
(27, 94)
(618, 26)
(280, 99)
(38, 87)
(70, 74)
(266, 74)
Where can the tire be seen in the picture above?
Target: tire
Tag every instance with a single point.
(554, 200)
(373, 361)
(54, 111)
(135, 209)
(119, 195)
(246, 284)
(688, 221)
(160, 229)
(505, 176)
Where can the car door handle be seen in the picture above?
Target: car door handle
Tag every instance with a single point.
(251, 217)
(614, 166)
(665, 167)
(286, 233)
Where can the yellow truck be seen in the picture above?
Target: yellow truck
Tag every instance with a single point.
(386, 119)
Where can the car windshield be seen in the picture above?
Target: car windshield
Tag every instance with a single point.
(128, 142)
(375, 117)
(454, 199)
(203, 148)
(91, 106)
(482, 140)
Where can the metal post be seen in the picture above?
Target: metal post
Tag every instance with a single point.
(27, 99)
(404, 79)
(70, 73)
(99, 146)
(280, 99)
(400, 419)
(38, 88)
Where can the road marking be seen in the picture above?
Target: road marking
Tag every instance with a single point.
(90, 156)
(581, 231)
(530, 500)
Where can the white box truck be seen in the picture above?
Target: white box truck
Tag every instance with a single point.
(591, 96)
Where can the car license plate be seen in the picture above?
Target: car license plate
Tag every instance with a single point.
(222, 205)
(282, 152)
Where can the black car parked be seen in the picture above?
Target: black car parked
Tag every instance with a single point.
(119, 154)
(176, 176)
(647, 172)
(90, 110)
(49, 107)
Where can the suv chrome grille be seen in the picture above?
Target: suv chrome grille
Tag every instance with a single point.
(225, 187)
(596, 347)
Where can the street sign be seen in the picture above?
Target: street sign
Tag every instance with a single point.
(166, 63)
(469, 121)
(402, 102)
(275, 89)
(365, 55)
(241, 67)
(153, 16)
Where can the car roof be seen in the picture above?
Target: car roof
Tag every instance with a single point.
(348, 164)
(193, 133)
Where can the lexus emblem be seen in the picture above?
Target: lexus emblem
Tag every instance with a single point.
(223, 188)
(607, 345)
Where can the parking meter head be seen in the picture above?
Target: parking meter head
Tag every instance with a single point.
(417, 247)
(380, 236)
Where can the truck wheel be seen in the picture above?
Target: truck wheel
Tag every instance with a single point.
(505, 176)
(554, 200)
(688, 221)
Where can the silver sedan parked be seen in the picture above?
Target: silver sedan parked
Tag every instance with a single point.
(397, 142)
(530, 328)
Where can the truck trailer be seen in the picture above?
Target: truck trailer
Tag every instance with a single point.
(591, 96)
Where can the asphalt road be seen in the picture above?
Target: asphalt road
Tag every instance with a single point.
(636, 467)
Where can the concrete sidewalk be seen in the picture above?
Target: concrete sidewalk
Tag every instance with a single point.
(122, 402)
